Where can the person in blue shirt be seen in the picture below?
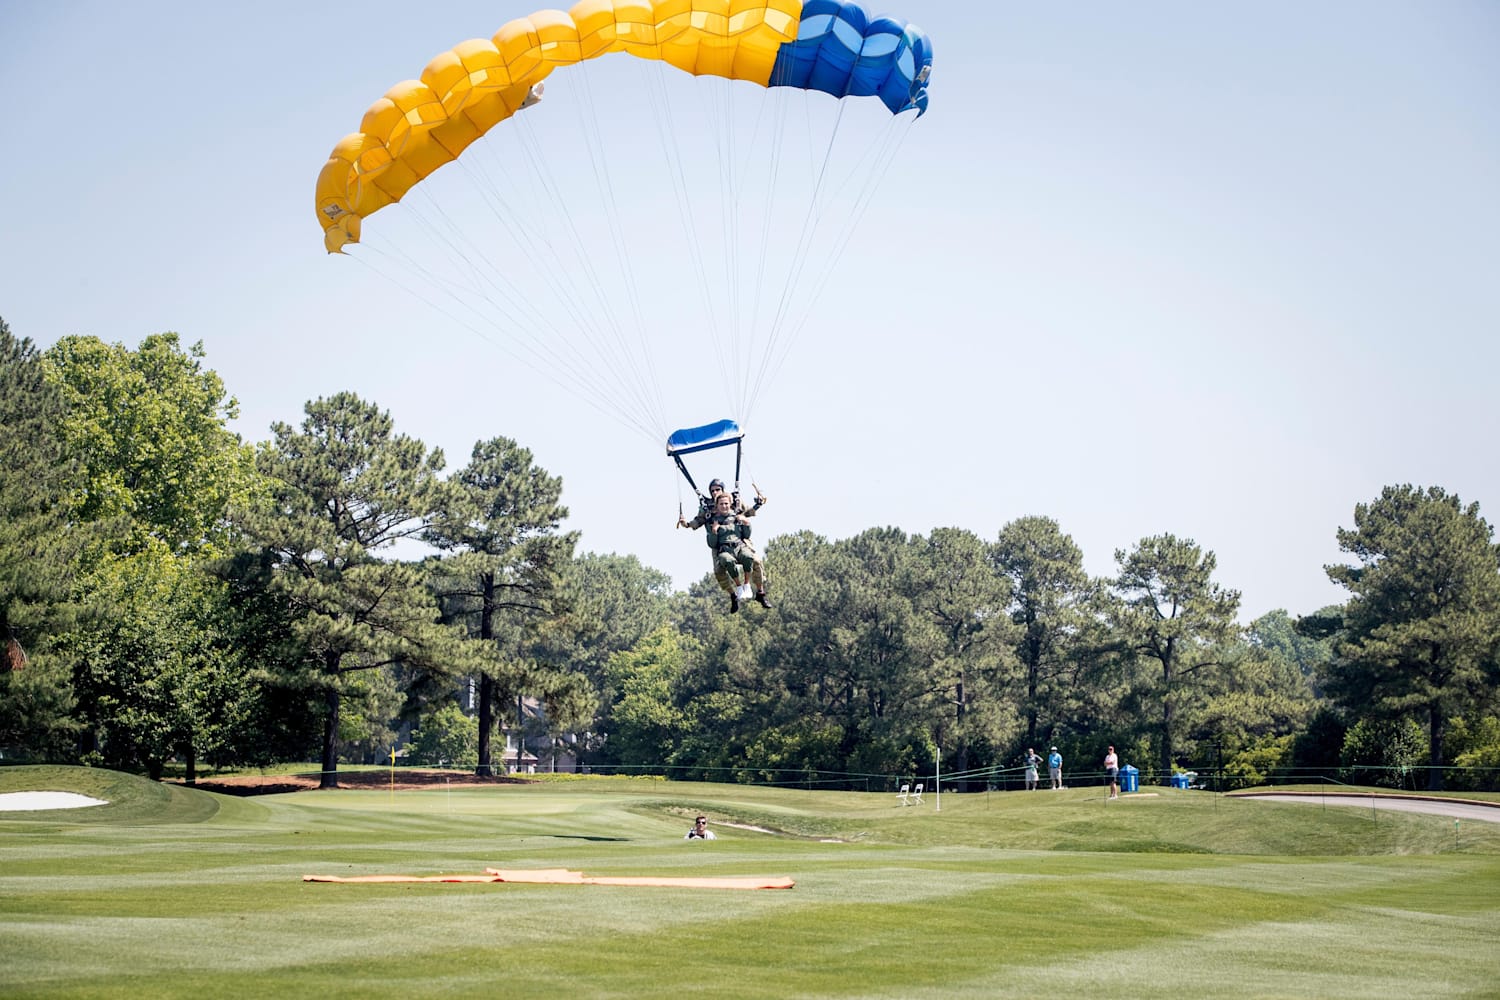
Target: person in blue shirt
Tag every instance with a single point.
(1054, 768)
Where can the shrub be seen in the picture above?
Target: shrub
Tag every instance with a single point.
(1383, 752)
(1263, 760)
(446, 737)
(1475, 751)
(1318, 749)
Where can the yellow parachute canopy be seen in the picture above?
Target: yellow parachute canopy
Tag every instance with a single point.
(419, 125)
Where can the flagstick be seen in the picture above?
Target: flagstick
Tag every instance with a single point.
(937, 781)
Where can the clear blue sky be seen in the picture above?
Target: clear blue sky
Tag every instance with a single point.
(1216, 270)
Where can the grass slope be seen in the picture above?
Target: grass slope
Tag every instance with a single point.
(183, 893)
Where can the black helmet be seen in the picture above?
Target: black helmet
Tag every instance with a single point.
(716, 484)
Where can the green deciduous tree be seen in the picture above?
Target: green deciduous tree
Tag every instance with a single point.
(646, 723)
(570, 705)
(1474, 746)
(1264, 690)
(847, 673)
(1276, 635)
(446, 737)
(614, 602)
(1422, 627)
(158, 677)
(1382, 751)
(159, 471)
(148, 426)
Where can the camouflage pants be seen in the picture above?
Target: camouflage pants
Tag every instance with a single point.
(731, 568)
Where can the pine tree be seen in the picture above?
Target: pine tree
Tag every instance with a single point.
(1173, 615)
(38, 554)
(1422, 627)
(500, 523)
(345, 487)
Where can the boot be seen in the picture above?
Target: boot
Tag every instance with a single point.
(734, 602)
(760, 596)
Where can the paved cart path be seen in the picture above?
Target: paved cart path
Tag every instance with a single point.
(1400, 803)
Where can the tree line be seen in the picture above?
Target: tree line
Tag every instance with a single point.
(172, 594)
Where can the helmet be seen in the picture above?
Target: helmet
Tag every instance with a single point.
(716, 484)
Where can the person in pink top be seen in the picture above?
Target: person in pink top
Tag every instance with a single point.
(1112, 770)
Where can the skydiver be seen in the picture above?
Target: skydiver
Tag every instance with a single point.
(728, 536)
(705, 511)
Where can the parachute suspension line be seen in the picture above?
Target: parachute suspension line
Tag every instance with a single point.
(554, 272)
(589, 391)
(528, 248)
(668, 135)
(607, 381)
(581, 367)
(650, 384)
(799, 258)
(672, 153)
(618, 348)
(550, 373)
(735, 180)
(545, 358)
(582, 371)
(895, 136)
(810, 224)
(447, 286)
(777, 145)
(491, 275)
(721, 115)
(592, 316)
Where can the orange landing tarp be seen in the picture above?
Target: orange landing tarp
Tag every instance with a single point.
(564, 876)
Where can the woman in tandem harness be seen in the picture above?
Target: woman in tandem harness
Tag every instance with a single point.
(735, 560)
(729, 537)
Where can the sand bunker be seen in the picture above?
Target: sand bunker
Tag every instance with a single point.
(27, 801)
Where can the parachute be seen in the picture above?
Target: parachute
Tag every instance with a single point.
(419, 125)
(557, 319)
(690, 440)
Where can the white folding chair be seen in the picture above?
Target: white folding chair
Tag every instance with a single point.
(905, 791)
(916, 794)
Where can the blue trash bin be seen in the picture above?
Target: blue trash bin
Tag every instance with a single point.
(1130, 779)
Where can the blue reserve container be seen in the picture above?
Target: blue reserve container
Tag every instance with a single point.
(1130, 779)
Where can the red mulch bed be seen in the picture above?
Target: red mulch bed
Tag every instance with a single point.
(406, 779)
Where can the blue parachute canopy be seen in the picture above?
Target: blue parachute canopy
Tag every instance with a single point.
(715, 435)
(843, 51)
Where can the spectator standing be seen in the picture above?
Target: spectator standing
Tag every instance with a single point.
(1033, 761)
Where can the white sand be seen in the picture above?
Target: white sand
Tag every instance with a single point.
(18, 801)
